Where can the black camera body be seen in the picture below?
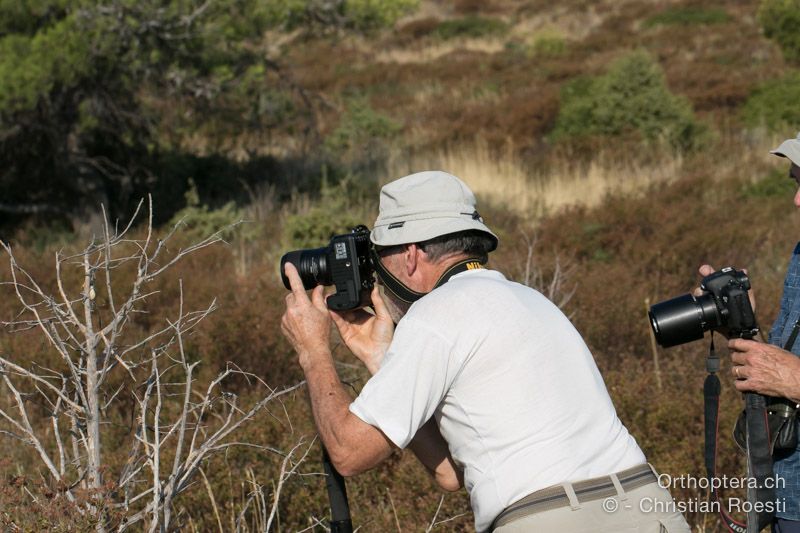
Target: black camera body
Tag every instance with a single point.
(345, 263)
(723, 306)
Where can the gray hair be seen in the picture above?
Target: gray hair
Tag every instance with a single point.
(473, 243)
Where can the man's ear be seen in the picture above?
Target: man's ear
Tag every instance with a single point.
(411, 257)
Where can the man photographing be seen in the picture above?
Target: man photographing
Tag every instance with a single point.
(771, 370)
(484, 379)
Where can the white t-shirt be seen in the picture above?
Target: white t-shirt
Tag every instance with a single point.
(513, 387)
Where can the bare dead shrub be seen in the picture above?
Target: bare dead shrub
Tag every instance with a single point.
(69, 412)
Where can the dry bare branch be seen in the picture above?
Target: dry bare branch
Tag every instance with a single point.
(552, 286)
(178, 423)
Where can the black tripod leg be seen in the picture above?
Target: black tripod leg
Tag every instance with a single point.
(337, 494)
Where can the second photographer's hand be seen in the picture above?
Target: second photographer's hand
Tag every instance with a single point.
(760, 367)
(707, 270)
(765, 369)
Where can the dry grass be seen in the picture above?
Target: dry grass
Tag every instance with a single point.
(561, 19)
(436, 50)
(504, 179)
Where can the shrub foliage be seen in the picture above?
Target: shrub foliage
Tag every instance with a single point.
(83, 84)
(362, 134)
(774, 104)
(688, 16)
(780, 20)
(631, 98)
(332, 215)
(358, 14)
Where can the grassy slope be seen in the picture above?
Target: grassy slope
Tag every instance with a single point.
(503, 88)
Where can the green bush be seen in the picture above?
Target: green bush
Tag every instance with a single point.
(688, 16)
(472, 26)
(332, 215)
(775, 184)
(198, 221)
(30, 67)
(358, 14)
(118, 84)
(548, 46)
(781, 20)
(544, 45)
(774, 104)
(368, 14)
(47, 235)
(359, 124)
(631, 98)
(361, 139)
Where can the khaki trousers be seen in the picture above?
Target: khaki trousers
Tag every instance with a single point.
(648, 509)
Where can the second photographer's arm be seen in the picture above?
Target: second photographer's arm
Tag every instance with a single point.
(761, 367)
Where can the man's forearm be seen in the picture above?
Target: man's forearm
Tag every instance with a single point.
(353, 445)
(432, 451)
(329, 401)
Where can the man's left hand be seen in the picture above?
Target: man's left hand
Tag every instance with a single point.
(765, 369)
(306, 322)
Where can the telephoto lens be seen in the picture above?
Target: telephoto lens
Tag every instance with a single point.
(724, 305)
(683, 319)
(312, 265)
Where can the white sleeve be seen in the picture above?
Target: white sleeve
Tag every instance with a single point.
(415, 375)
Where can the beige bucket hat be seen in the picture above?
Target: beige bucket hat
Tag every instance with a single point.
(790, 149)
(425, 205)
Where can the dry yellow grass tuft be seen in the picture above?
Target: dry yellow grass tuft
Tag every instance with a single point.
(432, 52)
(534, 193)
(504, 179)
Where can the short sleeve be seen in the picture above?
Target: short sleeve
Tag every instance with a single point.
(414, 378)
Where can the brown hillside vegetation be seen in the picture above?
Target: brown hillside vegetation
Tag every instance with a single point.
(504, 86)
(616, 219)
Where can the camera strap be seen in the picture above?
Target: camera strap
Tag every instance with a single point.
(402, 292)
(759, 459)
(792, 336)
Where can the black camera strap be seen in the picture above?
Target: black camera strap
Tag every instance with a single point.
(403, 293)
(792, 336)
(759, 459)
(711, 392)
